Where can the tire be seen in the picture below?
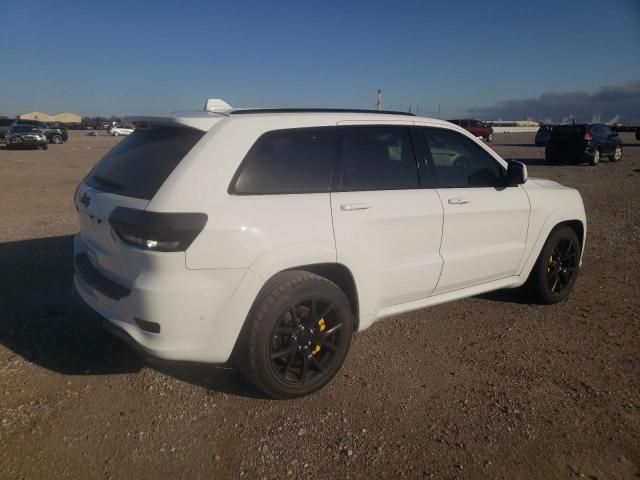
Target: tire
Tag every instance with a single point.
(549, 157)
(489, 139)
(57, 139)
(617, 154)
(44, 146)
(596, 157)
(555, 272)
(296, 336)
(116, 134)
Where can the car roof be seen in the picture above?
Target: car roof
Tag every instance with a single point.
(204, 120)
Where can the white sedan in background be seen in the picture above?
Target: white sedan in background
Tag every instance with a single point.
(120, 130)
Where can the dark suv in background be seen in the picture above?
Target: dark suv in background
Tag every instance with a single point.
(54, 135)
(5, 123)
(583, 142)
(477, 128)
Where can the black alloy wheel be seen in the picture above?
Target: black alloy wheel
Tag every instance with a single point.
(296, 335)
(562, 266)
(555, 272)
(304, 341)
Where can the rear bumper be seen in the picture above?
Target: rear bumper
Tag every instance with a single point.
(579, 153)
(172, 315)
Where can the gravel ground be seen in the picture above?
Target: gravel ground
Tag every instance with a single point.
(487, 387)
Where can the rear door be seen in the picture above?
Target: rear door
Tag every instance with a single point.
(485, 224)
(387, 227)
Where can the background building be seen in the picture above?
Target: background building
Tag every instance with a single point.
(63, 117)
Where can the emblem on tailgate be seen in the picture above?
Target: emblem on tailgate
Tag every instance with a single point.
(85, 199)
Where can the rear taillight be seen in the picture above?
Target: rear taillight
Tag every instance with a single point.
(587, 135)
(160, 232)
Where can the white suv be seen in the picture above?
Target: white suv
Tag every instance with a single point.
(267, 237)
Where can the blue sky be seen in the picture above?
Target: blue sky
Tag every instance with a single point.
(153, 57)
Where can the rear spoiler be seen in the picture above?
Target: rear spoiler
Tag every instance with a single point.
(197, 120)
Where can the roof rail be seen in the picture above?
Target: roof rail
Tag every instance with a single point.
(247, 111)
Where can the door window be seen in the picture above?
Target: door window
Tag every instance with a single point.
(460, 162)
(377, 158)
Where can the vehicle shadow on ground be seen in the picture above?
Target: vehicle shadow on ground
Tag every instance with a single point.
(43, 324)
(508, 295)
(541, 162)
(526, 145)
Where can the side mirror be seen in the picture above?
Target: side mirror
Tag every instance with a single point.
(516, 173)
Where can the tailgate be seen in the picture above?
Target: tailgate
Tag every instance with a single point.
(107, 253)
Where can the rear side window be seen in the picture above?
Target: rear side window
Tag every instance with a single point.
(288, 161)
(458, 161)
(377, 158)
(139, 164)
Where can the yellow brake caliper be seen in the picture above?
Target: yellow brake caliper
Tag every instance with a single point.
(321, 326)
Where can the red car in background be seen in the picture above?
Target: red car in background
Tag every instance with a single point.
(476, 127)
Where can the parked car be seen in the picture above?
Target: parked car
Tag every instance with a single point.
(21, 136)
(542, 136)
(477, 128)
(54, 135)
(5, 123)
(118, 130)
(267, 237)
(583, 142)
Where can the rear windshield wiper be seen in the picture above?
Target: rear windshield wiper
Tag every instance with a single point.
(106, 182)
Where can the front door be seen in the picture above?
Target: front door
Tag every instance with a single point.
(485, 224)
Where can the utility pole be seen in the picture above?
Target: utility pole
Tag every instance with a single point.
(379, 100)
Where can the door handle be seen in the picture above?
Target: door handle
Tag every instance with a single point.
(458, 201)
(350, 207)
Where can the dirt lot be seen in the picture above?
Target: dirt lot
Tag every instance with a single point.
(487, 387)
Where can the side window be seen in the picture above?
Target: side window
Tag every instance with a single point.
(288, 161)
(377, 158)
(458, 161)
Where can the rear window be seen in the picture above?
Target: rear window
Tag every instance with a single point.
(568, 131)
(139, 164)
(288, 161)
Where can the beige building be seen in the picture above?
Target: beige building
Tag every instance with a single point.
(64, 117)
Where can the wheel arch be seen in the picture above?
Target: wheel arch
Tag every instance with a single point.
(342, 277)
(569, 217)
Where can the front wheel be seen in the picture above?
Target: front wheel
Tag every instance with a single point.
(617, 154)
(489, 139)
(556, 269)
(297, 335)
(57, 139)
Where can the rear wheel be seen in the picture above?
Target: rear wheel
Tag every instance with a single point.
(595, 159)
(297, 335)
(57, 139)
(44, 146)
(617, 154)
(556, 269)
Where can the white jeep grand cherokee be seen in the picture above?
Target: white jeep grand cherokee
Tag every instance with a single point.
(267, 237)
